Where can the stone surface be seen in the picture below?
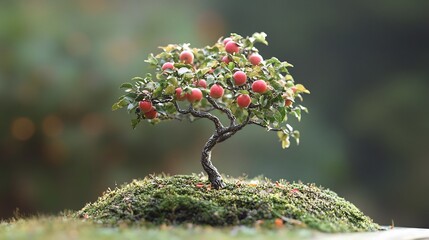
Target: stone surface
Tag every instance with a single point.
(391, 234)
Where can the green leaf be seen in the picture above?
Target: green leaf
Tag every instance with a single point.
(260, 37)
(263, 101)
(132, 106)
(173, 81)
(303, 108)
(297, 113)
(285, 65)
(157, 92)
(210, 79)
(188, 75)
(183, 70)
(276, 85)
(152, 60)
(126, 85)
(122, 103)
(137, 79)
(231, 66)
(180, 65)
(284, 139)
(282, 112)
(285, 142)
(212, 64)
(170, 90)
(301, 89)
(296, 135)
(134, 122)
(273, 61)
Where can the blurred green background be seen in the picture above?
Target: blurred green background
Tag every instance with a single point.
(366, 63)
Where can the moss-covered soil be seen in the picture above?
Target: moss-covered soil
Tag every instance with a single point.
(188, 199)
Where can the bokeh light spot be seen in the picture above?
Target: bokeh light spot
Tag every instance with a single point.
(22, 128)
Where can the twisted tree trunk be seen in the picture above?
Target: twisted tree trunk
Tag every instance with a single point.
(222, 133)
(214, 176)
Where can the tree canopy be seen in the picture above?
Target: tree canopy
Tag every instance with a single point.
(181, 71)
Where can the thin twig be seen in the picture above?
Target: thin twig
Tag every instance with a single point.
(165, 100)
(267, 127)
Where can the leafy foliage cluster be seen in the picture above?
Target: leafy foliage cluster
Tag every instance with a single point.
(216, 66)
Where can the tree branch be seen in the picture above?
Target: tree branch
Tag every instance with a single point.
(236, 127)
(267, 127)
(182, 111)
(224, 137)
(227, 111)
(213, 118)
(200, 114)
(165, 100)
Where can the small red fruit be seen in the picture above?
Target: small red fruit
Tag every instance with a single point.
(243, 100)
(167, 65)
(201, 83)
(226, 40)
(278, 222)
(288, 102)
(225, 59)
(187, 57)
(259, 86)
(232, 47)
(255, 59)
(240, 78)
(179, 96)
(195, 95)
(145, 106)
(151, 114)
(216, 91)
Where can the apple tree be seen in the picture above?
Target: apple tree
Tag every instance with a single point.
(228, 78)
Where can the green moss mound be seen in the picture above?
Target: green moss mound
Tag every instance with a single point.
(189, 199)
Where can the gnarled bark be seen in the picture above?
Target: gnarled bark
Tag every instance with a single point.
(214, 177)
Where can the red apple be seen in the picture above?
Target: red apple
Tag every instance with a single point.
(240, 78)
(259, 86)
(255, 59)
(168, 65)
(195, 95)
(225, 59)
(151, 114)
(187, 57)
(216, 91)
(201, 83)
(226, 40)
(232, 47)
(179, 96)
(145, 106)
(243, 100)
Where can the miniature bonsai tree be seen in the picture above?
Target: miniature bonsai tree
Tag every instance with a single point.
(229, 78)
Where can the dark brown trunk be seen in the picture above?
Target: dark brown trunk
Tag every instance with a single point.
(214, 177)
